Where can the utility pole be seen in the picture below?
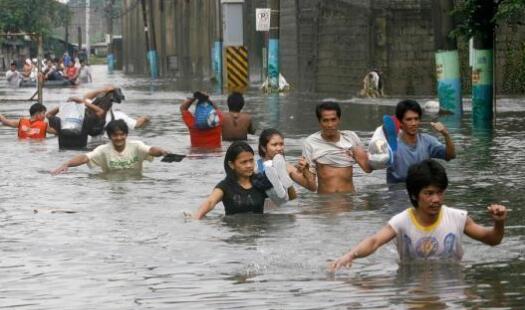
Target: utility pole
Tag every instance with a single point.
(79, 35)
(40, 76)
(66, 39)
(447, 58)
(149, 35)
(87, 31)
(217, 46)
(273, 47)
(109, 24)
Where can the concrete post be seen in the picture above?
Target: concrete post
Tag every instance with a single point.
(217, 46)
(447, 59)
(482, 68)
(273, 46)
(482, 85)
(237, 69)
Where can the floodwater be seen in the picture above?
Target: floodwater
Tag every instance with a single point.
(128, 245)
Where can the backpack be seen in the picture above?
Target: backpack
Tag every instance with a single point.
(205, 115)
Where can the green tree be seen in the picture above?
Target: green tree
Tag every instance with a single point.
(479, 18)
(32, 15)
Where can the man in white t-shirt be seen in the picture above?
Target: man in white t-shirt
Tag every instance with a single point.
(12, 76)
(117, 155)
(429, 230)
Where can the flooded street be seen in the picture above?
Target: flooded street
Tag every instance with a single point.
(128, 245)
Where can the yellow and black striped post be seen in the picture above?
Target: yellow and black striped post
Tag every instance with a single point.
(237, 72)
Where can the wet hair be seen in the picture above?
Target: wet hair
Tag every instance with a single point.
(235, 102)
(116, 125)
(233, 151)
(426, 173)
(407, 105)
(37, 108)
(327, 106)
(265, 137)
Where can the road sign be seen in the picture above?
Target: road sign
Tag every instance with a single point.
(262, 19)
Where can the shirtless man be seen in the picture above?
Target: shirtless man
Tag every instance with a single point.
(331, 153)
(237, 125)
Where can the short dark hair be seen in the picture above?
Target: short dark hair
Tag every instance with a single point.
(327, 106)
(37, 108)
(407, 105)
(235, 102)
(115, 125)
(426, 173)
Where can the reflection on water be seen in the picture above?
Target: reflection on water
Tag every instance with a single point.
(128, 244)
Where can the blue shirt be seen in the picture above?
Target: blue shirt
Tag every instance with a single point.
(406, 155)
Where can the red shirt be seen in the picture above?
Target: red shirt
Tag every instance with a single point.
(207, 138)
(71, 72)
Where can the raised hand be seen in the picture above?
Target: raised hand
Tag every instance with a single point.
(498, 212)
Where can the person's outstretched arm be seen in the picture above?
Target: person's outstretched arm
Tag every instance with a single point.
(303, 176)
(361, 157)
(142, 121)
(364, 248)
(9, 122)
(210, 203)
(73, 162)
(157, 151)
(96, 92)
(490, 236)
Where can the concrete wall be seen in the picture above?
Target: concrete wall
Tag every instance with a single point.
(326, 46)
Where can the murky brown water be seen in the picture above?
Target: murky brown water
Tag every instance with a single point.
(128, 246)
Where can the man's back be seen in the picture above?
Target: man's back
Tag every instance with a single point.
(236, 126)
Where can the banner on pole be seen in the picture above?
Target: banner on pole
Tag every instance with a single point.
(262, 19)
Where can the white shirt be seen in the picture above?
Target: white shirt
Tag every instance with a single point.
(13, 78)
(440, 240)
(336, 154)
(130, 159)
(131, 122)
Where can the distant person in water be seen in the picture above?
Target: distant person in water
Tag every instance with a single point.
(12, 76)
(236, 125)
(205, 123)
(236, 191)
(117, 155)
(429, 230)
(34, 127)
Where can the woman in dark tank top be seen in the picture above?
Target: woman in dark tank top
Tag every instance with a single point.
(236, 191)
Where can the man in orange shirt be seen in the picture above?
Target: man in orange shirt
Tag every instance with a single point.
(30, 128)
(204, 132)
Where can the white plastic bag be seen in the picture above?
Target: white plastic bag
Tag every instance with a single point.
(380, 155)
(72, 116)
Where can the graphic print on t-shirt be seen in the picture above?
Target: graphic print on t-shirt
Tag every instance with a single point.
(426, 246)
